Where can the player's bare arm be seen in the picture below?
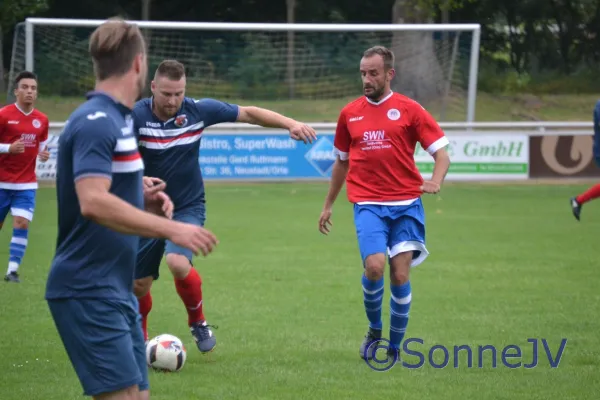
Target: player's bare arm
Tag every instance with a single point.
(271, 119)
(102, 207)
(441, 165)
(338, 177)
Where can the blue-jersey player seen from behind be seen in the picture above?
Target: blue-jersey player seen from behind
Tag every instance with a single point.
(169, 127)
(101, 201)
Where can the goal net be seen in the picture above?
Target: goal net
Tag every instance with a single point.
(306, 69)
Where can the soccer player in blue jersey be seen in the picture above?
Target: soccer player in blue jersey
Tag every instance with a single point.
(101, 197)
(592, 193)
(169, 127)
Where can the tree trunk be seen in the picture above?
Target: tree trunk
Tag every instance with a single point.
(419, 74)
(291, 14)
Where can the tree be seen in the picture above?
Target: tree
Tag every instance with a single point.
(12, 11)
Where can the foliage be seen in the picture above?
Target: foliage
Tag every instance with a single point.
(12, 11)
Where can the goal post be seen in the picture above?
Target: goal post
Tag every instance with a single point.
(292, 65)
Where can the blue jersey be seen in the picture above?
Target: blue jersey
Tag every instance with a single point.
(171, 149)
(93, 261)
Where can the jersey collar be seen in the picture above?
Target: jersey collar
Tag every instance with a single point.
(376, 103)
(98, 93)
(151, 105)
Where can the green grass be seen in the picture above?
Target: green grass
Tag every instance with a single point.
(507, 263)
(490, 107)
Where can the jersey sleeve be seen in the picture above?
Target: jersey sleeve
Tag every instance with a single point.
(4, 147)
(43, 139)
(342, 139)
(93, 146)
(429, 134)
(217, 111)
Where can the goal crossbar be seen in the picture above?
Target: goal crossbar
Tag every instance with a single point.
(474, 28)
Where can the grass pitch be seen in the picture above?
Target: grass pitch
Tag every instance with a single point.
(507, 263)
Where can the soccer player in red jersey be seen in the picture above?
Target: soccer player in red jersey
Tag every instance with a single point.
(592, 193)
(23, 137)
(375, 143)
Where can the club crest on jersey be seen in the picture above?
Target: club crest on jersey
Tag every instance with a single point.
(393, 114)
(181, 120)
(36, 123)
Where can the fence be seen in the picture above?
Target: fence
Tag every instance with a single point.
(479, 152)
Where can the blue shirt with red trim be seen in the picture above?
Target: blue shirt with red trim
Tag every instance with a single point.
(171, 149)
(91, 260)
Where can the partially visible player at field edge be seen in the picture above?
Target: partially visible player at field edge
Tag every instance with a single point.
(23, 137)
(169, 126)
(592, 193)
(375, 142)
(101, 196)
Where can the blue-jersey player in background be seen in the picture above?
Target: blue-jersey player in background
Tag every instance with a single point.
(100, 215)
(594, 192)
(169, 127)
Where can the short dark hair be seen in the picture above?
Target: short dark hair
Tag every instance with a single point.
(113, 47)
(172, 69)
(25, 75)
(385, 53)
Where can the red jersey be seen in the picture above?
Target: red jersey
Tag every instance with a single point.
(17, 171)
(379, 139)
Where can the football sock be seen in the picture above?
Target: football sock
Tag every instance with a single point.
(18, 244)
(373, 298)
(190, 291)
(590, 194)
(399, 308)
(145, 307)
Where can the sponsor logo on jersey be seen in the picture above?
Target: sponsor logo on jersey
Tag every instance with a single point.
(321, 156)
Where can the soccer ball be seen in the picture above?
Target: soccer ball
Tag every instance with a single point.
(166, 353)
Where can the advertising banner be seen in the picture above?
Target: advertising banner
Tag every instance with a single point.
(241, 156)
(568, 156)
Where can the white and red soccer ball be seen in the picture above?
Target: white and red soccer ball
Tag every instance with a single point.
(166, 353)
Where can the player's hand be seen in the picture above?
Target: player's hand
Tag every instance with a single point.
(160, 204)
(430, 187)
(303, 132)
(44, 155)
(17, 147)
(153, 185)
(325, 221)
(195, 238)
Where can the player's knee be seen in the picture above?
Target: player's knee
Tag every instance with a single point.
(142, 286)
(400, 268)
(20, 223)
(130, 393)
(375, 266)
(179, 265)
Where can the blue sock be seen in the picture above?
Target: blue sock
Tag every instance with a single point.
(399, 308)
(18, 244)
(373, 298)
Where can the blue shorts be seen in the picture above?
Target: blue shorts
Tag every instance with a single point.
(21, 203)
(392, 230)
(104, 341)
(151, 251)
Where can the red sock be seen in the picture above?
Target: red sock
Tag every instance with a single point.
(190, 291)
(590, 194)
(145, 307)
